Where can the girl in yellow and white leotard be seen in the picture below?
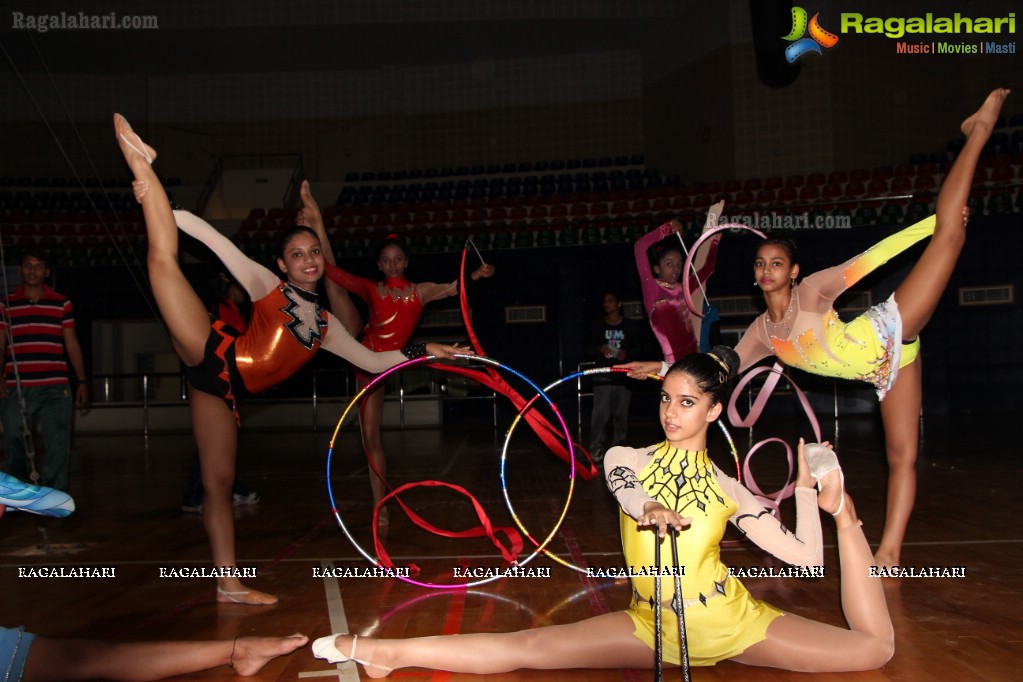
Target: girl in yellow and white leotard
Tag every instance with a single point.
(802, 329)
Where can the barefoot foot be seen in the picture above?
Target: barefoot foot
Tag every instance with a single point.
(987, 115)
(242, 595)
(885, 559)
(131, 144)
(252, 653)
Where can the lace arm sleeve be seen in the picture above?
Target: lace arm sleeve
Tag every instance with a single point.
(340, 343)
(802, 548)
(620, 466)
(254, 278)
(751, 348)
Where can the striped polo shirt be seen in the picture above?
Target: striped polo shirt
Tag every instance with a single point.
(38, 331)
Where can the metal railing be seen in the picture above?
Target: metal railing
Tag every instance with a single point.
(326, 384)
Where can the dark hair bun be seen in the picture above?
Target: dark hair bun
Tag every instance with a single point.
(729, 358)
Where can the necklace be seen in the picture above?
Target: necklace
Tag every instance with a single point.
(786, 321)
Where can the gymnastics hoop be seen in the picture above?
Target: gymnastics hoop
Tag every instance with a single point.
(541, 548)
(426, 359)
(686, 293)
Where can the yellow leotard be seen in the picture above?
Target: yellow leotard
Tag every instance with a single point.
(722, 617)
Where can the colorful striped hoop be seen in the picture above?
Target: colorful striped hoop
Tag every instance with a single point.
(540, 546)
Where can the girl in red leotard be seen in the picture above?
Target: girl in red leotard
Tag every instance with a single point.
(395, 305)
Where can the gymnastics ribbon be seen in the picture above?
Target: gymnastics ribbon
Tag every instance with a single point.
(546, 431)
(772, 500)
(686, 292)
(486, 528)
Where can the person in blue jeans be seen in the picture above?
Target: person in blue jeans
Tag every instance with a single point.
(37, 330)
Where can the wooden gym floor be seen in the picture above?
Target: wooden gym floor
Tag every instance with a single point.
(128, 518)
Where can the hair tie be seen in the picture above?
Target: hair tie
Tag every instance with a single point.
(724, 365)
(391, 236)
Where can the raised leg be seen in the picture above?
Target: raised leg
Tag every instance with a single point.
(900, 413)
(604, 641)
(800, 644)
(186, 317)
(66, 660)
(919, 293)
(216, 435)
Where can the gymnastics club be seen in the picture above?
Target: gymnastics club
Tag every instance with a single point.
(680, 608)
(658, 632)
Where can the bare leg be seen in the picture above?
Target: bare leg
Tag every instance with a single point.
(919, 293)
(216, 435)
(65, 660)
(370, 417)
(184, 313)
(797, 643)
(604, 641)
(900, 412)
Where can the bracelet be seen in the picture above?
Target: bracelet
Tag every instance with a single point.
(233, 645)
(414, 350)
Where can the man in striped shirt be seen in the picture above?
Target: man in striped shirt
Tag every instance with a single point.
(37, 327)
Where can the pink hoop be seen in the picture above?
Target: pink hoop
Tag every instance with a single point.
(686, 293)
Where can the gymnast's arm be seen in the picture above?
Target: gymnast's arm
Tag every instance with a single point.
(641, 250)
(254, 278)
(804, 548)
(342, 344)
(360, 286)
(620, 467)
(339, 342)
(752, 348)
(431, 291)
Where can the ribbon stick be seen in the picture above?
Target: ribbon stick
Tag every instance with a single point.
(680, 607)
(658, 627)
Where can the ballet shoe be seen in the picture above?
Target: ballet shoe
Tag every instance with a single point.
(124, 131)
(325, 648)
(242, 597)
(822, 461)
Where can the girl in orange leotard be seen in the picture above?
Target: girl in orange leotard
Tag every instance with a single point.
(287, 328)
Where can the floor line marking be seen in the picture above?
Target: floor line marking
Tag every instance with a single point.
(348, 671)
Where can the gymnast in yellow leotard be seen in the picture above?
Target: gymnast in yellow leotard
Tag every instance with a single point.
(675, 484)
(802, 329)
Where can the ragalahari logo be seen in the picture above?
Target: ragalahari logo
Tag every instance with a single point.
(818, 36)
